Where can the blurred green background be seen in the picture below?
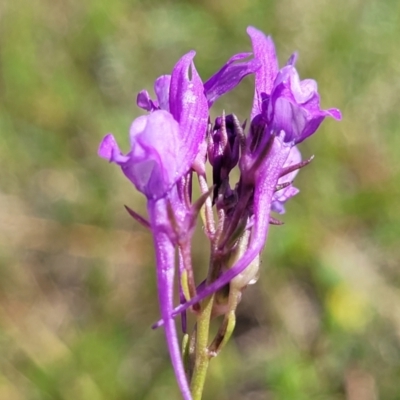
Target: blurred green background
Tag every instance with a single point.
(77, 285)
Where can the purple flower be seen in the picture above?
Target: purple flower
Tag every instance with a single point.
(168, 145)
(259, 177)
(164, 145)
(294, 106)
(285, 112)
(285, 102)
(153, 164)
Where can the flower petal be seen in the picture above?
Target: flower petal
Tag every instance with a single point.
(264, 51)
(109, 150)
(281, 196)
(154, 160)
(144, 101)
(294, 106)
(229, 76)
(161, 88)
(188, 105)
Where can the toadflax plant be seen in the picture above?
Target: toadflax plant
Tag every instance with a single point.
(170, 145)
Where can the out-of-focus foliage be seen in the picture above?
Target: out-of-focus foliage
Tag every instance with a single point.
(77, 290)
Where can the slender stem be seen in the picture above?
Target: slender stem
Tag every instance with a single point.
(209, 222)
(165, 258)
(202, 356)
(201, 353)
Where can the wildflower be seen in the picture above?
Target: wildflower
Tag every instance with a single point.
(285, 102)
(164, 144)
(285, 112)
(173, 141)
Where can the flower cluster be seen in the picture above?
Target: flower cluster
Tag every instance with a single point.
(172, 143)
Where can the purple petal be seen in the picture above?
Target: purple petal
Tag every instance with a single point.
(294, 106)
(283, 195)
(161, 89)
(154, 160)
(107, 146)
(334, 113)
(229, 76)
(264, 51)
(144, 101)
(290, 118)
(292, 59)
(188, 105)
(294, 158)
(109, 150)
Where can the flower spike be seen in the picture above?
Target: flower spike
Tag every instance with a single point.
(170, 146)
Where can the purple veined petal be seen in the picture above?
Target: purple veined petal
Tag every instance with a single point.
(313, 124)
(184, 91)
(144, 101)
(307, 94)
(302, 91)
(294, 106)
(305, 90)
(263, 50)
(161, 89)
(188, 105)
(154, 162)
(299, 122)
(313, 106)
(290, 118)
(229, 76)
(288, 84)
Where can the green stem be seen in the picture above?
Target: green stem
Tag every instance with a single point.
(202, 357)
